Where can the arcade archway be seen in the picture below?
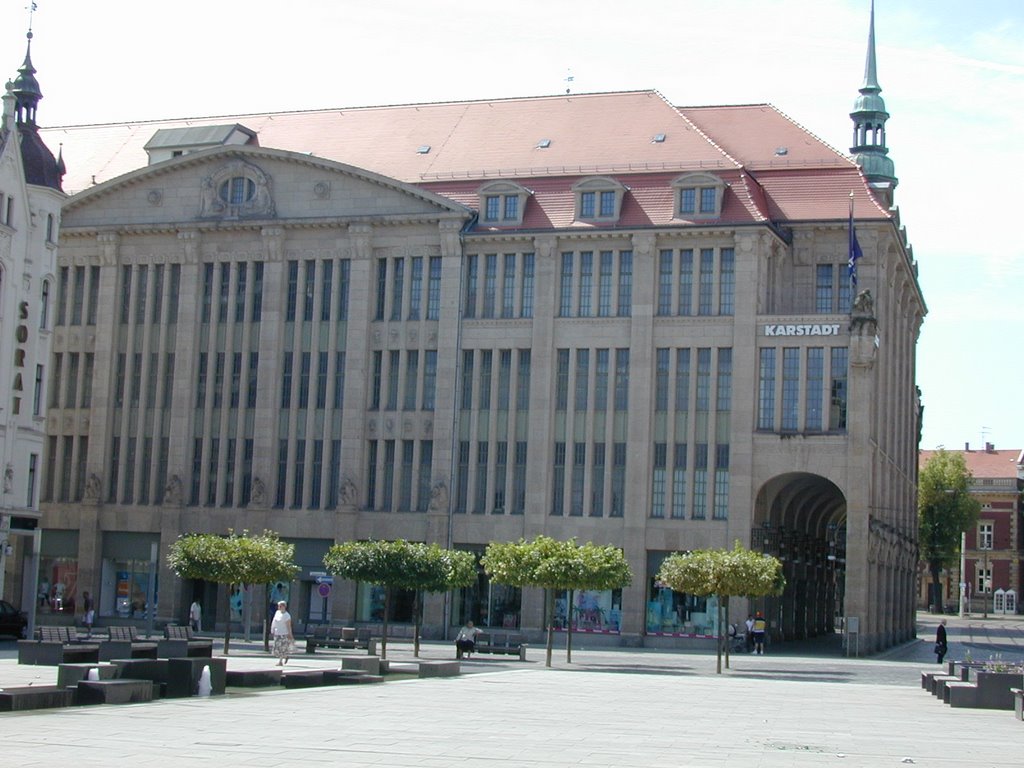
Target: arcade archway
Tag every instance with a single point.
(800, 518)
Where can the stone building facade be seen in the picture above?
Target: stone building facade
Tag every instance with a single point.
(476, 321)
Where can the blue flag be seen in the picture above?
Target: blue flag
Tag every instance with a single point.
(855, 252)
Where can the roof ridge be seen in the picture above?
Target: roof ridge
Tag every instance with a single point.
(699, 132)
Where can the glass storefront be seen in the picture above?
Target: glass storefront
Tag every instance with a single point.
(487, 605)
(128, 560)
(592, 610)
(370, 604)
(57, 590)
(676, 613)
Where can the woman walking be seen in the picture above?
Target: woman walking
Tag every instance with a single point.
(281, 631)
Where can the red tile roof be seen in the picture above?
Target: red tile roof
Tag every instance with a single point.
(608, 134)
(991, 464)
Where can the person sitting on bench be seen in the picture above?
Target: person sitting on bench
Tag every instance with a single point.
(465, 641)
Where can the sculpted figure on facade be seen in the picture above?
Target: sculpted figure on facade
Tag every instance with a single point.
(172, 491)
(349, 494)
(258, 497)
(92, 488)
(439, 497)
(8, 478)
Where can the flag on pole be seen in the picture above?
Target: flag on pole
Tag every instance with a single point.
(855, 251)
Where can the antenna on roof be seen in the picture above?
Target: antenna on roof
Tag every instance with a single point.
(568, 80)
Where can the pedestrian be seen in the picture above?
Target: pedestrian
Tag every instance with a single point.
(195, 615)
(281, 631)
(749, 636)
(760, 625)
(941, 647)
(90, 613)
(465, 641)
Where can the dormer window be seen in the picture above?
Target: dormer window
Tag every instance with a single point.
(598, 199)
(699, 196)
(503, 203)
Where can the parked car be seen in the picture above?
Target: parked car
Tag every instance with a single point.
(12, 621)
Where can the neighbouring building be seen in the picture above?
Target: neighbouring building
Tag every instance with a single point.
(992, 578)
(593, 315)
(30, 209)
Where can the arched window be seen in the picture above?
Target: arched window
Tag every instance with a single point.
(237, 190)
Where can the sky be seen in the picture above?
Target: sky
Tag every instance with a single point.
(952, 75)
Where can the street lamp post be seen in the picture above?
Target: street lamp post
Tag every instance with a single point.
(986, 582)
(963, 577)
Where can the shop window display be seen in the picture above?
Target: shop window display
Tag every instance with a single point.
(488, 605)
(125, 584)
(592, 610)
(58, 585)
(677, 613)
(370, 604)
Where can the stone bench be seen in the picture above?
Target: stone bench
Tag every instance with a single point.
(938, 681)
(439, 668)
(960, 694)
(349, 677)
(68, 675)
(54, 652)
(126, 649)
(305, 678)
(499, 643)
(254, 678)
(368, 664)
(27, 697)
(114, 692)
(1018, 702)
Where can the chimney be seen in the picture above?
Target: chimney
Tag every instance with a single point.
(967, 447)
(990, 448)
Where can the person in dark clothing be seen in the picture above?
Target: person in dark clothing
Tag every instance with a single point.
(940, 641)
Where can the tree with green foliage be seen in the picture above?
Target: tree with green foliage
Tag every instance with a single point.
(233, 559)
(402, 565)
(945, 509)
(724, 573)
(554, 566)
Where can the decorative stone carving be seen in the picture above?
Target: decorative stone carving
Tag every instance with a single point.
(348, 492)
(863, 330)
(172, 491)
(8, 478)
(92, 488)
(155, 197)
(439, 497)
(220, 198)
(322, 190)
(258, 496)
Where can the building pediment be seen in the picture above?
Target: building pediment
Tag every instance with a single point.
(250, 184)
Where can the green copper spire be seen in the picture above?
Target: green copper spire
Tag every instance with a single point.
(869, 116)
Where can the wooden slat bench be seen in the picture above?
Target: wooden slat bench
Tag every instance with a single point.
(125, 643)
(501, 643)
(56, 645)
(179, 642)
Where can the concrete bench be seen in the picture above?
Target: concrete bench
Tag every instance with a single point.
(350, 677)
(254, 678)
(439, 668)
(114, 692)
(367, 664)
(938, 681)
(21, 698)
(1018, 702)
(125, 643)
(70, 674)
(179, 642)
(960, 694)
(54, 652)
(304, 678)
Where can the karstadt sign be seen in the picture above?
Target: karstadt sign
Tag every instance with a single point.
(827, 329)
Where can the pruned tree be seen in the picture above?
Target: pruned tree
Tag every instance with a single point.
(401, 565)
(553, 566)
(945, 509)
(724, 573)
(232, 559)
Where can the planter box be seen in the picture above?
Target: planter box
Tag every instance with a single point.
(994, 688)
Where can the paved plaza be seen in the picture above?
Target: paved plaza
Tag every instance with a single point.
(802, 706)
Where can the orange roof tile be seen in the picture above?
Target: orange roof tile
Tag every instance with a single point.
(590, 134)
(990, 464)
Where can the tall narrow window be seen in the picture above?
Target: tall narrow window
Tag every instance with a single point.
(412, 372)
(766, 389)
(562, 380)
(486, 364)
(579, 466)
(661, 357)
(508, 285)
(393, 363)
(815, 384)
(429, 378)
(625, 284)
(618, 479)
(293, 291)
(480, 503)
(604, 288)
(415, 287)
(727, 282)
(523, 381)
(707, 280)
(601, 381)
(526, 292)
(823, 289)
(582, 378)
(326, 288)
(558, 482)
(467, 379)
(565, 290)
(679, 481)
(665, 283)
(720, 510)
(490, 284)
(586, 283)
(685, 282)
(397, 287)
(308, 289)
(382, 287)
(658, 481)
(791, 388)
(434, 289)
(837, 409)
(621, 379)
(519, 480)
(472, 277)
(597, 482)
(700, 482)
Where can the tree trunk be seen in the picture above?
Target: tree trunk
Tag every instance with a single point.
(728, 625)
(568, 628)
(417, 621)
(721, 642)
(549, 596)
(227, 624)
(384, 624)
(936, 569)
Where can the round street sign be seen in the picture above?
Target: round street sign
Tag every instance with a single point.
(324, 590)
